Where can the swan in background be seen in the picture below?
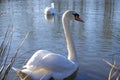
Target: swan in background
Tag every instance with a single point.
(50, 13)
(50, 10)
(45, 65)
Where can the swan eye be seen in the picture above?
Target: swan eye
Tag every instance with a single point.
(76, 15)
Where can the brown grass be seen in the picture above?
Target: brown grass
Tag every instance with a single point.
(5, 50)
(114, 73)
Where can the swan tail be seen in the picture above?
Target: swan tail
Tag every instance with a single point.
(24, 66)
(16, 70)
(21, 74)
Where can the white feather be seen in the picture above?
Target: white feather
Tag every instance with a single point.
(59, 65)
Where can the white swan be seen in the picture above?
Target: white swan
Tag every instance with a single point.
(50, 10)
(45, 65)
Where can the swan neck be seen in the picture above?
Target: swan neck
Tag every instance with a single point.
(71, 51)
(52, 5)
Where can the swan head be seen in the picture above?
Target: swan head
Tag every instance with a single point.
(52, 5)
(71, 15)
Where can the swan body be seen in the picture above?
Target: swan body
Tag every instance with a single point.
(45, 65)
(50, 10)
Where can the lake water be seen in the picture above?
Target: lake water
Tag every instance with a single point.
(95, 40)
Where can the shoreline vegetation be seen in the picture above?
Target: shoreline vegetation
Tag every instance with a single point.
(5, 48)
(114, 73)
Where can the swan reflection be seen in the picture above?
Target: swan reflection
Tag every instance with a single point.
(49, 17)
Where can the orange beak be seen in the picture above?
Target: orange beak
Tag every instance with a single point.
(79, 19)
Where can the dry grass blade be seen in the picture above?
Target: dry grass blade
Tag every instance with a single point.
(1, 69)
(8, 45)
(20, 45)
(114, 67)
(6, 72)
(5, 42)
(115, 73)
(110, 73)
(118, 77)
(5, 48)
(13, 59)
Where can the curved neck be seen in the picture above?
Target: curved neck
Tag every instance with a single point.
(71, 52)
(52, 5)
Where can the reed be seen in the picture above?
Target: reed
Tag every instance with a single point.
(114, 73)
(5, 50)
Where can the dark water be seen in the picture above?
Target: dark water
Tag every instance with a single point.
(95, 40)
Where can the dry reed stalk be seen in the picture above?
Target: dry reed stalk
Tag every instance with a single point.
(6, 40)
(111, 75)
(3, 48)
(115, 67)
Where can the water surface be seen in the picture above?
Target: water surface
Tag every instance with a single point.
(95, 40)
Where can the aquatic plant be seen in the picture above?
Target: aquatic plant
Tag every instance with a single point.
(114, 73)
(5, 50)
